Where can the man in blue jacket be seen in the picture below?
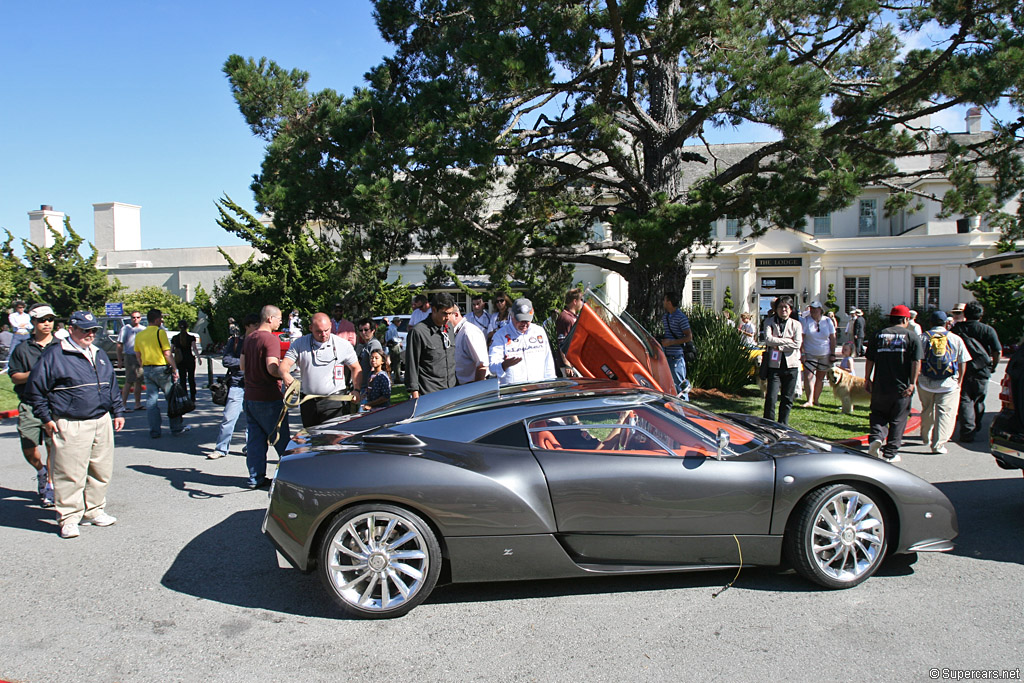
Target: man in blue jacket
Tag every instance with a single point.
(73, 392)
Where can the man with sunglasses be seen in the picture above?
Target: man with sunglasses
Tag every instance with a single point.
(322, 358)
(74, 393)
(430, 349)
(30, 429)
(129, 361)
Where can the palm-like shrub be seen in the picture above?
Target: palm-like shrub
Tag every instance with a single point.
(723, 361)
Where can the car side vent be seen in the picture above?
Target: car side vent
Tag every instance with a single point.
(393, 439)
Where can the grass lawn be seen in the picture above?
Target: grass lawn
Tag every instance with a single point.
(825, 421)
(8, 399)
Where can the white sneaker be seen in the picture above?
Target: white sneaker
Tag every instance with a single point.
(69, 530)
(48, 495)
(940, 450)
(215, 455)
(102, 519)
(41, 481)
(895, 458)
(874, 448)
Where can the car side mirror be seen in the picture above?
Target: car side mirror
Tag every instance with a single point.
(723, 443)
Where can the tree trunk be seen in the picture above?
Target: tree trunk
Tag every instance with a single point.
(647, 287)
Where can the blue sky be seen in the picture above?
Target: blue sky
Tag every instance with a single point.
(126, 101)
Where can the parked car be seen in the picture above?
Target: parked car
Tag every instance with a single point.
(582, 477)
(106, 337)
(1006, 434)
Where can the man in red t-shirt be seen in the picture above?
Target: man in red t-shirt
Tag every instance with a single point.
(264, 403)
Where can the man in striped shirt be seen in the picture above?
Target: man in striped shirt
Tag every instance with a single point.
(677, 332)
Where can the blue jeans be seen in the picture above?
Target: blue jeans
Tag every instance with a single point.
(158, 378)
(232, 409)
(261, 417)
(677, 364)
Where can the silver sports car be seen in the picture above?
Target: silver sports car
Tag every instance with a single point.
(579, 478)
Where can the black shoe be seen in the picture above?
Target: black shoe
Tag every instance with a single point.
(261, 483)
(966, 438)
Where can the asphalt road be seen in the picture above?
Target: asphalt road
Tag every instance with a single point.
(184, 587)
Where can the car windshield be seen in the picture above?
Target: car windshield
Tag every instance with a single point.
(665, 427)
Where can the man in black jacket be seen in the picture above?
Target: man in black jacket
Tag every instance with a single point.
(982, 343)
(430, 352)
(73, 392)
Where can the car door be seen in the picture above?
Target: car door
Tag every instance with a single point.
(608, 346)
(632, 485)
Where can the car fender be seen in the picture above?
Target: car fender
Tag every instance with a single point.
(923, 512)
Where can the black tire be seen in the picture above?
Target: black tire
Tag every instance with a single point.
(850, 529)
(367, 573)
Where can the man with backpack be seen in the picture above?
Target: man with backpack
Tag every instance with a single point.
(983, 345)
(942, 373)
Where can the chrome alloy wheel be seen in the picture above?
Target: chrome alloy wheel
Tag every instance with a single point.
(378, 561)
(848, 536)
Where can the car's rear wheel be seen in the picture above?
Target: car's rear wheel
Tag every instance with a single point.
(379, 561)
(837, 537)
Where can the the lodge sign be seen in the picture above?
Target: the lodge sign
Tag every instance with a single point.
(778, 262)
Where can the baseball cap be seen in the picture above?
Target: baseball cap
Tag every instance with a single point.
(816, 304)
(959, 308)
(937, 318)
(84, 320)
(41, 311)
(900, 311)
(523, 310)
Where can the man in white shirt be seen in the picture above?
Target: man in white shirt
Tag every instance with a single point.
(420, 310)
(21, 324)
(479, 315)
(939, 383)
(520, 351)
(129, 361)
(322, 358)
(470, 349)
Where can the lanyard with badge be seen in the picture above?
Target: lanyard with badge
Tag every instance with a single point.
(322, 359)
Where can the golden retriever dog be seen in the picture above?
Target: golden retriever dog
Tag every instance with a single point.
(848, 388)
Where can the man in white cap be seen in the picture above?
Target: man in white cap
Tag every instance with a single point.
(81, 418)
(818, 352)
(520, 351)
(30, 429)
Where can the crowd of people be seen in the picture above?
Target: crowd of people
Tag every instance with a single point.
(948, 364)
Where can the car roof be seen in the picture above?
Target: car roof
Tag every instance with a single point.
(489, 394)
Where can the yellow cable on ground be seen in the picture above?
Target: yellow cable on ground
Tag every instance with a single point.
(729, 585)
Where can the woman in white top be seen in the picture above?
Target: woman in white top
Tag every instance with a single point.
(819, 351)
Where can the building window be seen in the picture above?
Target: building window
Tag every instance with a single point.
(702, 293)
(858, 293)
(713, 231)
(733, 227)
(869, 217)
(926, 292)
(823, 225)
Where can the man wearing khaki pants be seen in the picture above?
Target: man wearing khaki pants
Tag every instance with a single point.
(73, 392)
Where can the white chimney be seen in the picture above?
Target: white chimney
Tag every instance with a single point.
(37, 225)
(118, 227)
(974, 120)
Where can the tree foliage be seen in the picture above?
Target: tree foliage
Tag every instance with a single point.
(1001, 295)
(576, 132)
(174, 308)
(63, 278)
(14, 280)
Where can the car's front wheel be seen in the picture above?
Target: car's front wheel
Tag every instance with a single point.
(379, 561)
(837, 537)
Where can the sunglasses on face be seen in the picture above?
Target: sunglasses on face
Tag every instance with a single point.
(45, 320)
